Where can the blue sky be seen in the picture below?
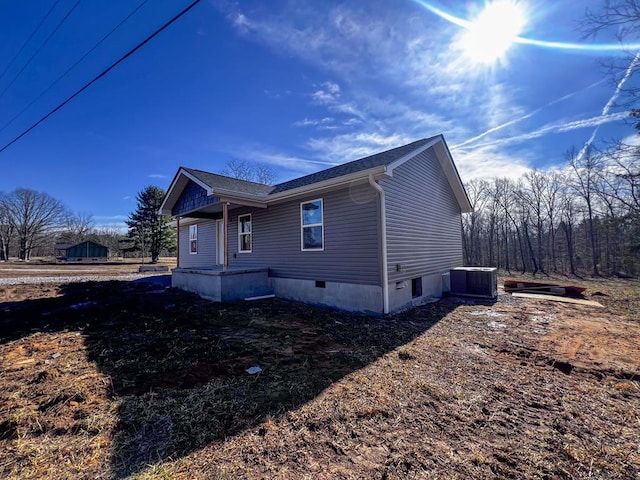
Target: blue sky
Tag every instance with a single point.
(300, 85)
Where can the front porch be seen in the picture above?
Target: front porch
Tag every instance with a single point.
(222, 284)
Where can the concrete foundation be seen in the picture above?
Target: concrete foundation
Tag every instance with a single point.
(345, 296)
(222, 285)
(400, 295)
(239, 283)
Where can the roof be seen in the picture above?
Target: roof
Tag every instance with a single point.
(69, 246)
(372, 161)
(378, 163)
(227, 183)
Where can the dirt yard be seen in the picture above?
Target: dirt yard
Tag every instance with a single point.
(133, 380)
(47, 268)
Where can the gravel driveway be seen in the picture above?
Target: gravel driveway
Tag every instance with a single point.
(160, 278)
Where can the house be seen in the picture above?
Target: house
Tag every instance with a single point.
(86, 251)
(375, 235)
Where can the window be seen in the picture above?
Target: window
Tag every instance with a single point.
(193, 239)
(244, 233)
(312, 225)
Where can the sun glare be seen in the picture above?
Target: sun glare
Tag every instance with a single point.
(489, 36)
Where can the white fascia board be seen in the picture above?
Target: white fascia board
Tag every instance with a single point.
(332, 182)
(412, 154)
(230, 195)
(452, 174)
(247, 201)
(448, 167)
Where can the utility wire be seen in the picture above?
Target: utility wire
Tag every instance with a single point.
(73, 66)
(102, 74)
(28, 39)
(40, 47)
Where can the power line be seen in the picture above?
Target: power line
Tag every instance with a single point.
(28, 39)
(102, 74)
(73, 66)
(64, 19)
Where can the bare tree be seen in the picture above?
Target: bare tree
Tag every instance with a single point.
(533, 189)
(472, 222)
(622, 18)
(34, 215)
(264, 173)
(77, 227)
(250, 171)
(551, 207)
(7, 229)
(110, 236)
(587, 168)
(567, 225)
(240, 169)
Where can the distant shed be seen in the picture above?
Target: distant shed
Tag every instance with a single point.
(86, 251)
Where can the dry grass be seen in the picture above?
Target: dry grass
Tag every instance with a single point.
(151, 384)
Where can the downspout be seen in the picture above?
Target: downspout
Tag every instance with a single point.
(178, 242)
(383, 228)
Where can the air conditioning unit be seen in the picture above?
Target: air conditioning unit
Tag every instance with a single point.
(474, 281)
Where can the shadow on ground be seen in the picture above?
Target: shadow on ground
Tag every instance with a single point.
(178, 363)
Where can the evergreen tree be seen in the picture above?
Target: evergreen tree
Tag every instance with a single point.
(148, 230)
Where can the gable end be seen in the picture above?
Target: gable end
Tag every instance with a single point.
(193, 196)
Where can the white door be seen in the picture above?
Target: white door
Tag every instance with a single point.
(220, 242)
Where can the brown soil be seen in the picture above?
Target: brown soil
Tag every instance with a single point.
(113, 379)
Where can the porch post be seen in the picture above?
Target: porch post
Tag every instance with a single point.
(177, 242)
(225, 221)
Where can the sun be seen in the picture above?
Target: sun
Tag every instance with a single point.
(488, 37)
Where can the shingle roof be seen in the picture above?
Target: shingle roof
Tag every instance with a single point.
(377, 160)
(228, 183)
(253, 188)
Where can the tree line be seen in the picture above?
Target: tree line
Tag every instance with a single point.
(580, 219)
(33, 223)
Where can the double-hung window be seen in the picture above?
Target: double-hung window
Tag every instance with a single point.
(193, 239)
(244, 233)
(312, 225)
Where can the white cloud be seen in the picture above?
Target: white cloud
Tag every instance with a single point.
(307, 122)
(293, 164)
(102, 218)
(157, 175)
(394, 85)
(241, 22)
(487, 162)
(347, 147)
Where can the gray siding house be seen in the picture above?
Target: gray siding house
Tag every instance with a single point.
(375, 235)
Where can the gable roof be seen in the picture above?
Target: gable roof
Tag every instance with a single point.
(372, 161)
(223, 182)
(380, 163)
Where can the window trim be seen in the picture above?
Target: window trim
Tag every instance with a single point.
(303, 226)
(250, 233)
(193, 228)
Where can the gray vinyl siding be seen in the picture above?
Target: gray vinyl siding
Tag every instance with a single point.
(206, 256)
(351, 238)
(424, 232)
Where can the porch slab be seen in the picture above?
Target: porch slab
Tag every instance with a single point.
(222, 285)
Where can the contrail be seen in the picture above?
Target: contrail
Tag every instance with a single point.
(605, 111)
(525, 116)
(557, 128)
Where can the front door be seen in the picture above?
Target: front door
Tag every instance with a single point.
(220, 242)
